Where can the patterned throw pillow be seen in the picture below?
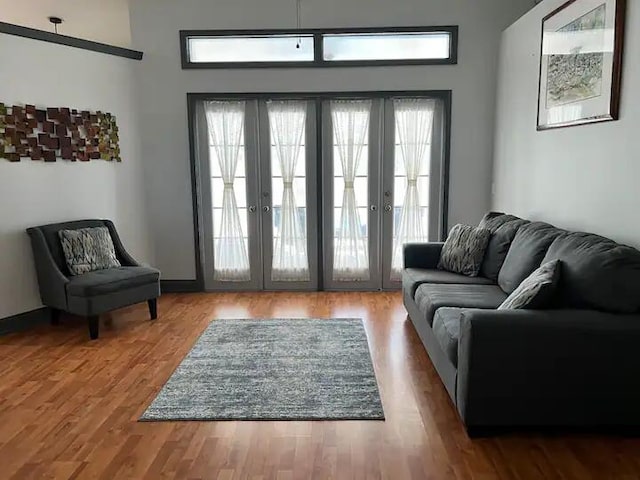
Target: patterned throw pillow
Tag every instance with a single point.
(464, 250)
(536, 291)
(88, 249)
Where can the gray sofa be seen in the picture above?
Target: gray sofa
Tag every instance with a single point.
(93, 293)
(574, 365)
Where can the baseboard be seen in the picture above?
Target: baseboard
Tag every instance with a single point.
(179, 286)
(24, 321)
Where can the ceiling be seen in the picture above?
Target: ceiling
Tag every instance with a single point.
(105, 21)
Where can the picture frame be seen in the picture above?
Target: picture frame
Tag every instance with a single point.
(581, 63)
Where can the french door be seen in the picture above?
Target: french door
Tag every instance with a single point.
(382, 164)
(308, 193)
(257, 177)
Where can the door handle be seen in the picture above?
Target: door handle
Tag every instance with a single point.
(388, 208)
(373, 208)
(266, 209)
(252, 209)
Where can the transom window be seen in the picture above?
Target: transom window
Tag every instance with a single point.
(319, 48)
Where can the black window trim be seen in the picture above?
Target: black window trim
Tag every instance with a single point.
(318, 47)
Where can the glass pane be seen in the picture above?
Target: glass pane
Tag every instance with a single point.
(399, 166)
(239, 188)
(387, 46)
(217, 221)
(214, 162)
(287, 127)
(423, 188)
(361, 186)
(399, 190)
(350, 120)
(225, 123)
(217, 187)
(363, 164)
(413, 130)
(363, 217)
(273, 48)
(300, 191)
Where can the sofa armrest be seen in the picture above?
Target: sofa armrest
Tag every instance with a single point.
(554, 367)
(123, 256)
(51, 281)
(422, 255)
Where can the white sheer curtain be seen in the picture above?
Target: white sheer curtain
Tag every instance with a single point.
(225, 121)
(414, 124)
(287, 122)
(350, 130)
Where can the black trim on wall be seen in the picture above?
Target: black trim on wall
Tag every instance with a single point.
(446, 161)
(180, 286)
(192, 98)
(318, 60)
(75, 42)
(191, 113)
(24, 321)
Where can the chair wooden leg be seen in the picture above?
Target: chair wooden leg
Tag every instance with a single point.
(55, 316)
(153, 308)
(94, 326)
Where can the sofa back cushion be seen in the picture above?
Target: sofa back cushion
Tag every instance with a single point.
(527, 250)
(503, 229)
(493, 220)
(597, 273)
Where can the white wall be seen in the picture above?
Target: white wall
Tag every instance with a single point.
(582, 178)
(34, 193)
(162, 100)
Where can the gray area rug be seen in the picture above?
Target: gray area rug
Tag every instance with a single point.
(280, 369)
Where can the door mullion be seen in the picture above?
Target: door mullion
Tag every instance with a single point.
(389, 195)
(375, 197)
(253, 188)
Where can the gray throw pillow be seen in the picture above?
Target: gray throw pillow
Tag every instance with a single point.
(464, 250)
(88, 249)
(536, 291)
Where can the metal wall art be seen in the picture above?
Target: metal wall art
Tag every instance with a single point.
(27, 132)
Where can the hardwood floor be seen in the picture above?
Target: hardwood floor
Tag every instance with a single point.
(68, 407)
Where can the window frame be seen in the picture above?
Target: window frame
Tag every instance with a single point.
(318, 36)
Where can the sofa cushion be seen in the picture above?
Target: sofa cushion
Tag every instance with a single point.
(527, 250)
(494, 220)
(430, 296)
(537, 290)
(597, 273)
(446, 329)
(412, 278)
(499, 244)
(111, 280)
(464, 250)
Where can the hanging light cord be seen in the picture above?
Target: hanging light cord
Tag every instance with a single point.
(298, 22)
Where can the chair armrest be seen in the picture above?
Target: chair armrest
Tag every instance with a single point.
(422, 255)
(123, 256)
(51, 280)
(548, 367)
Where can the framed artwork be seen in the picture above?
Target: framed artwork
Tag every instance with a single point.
(581, 63)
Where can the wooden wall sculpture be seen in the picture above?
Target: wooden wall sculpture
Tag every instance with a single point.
(28, 132)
